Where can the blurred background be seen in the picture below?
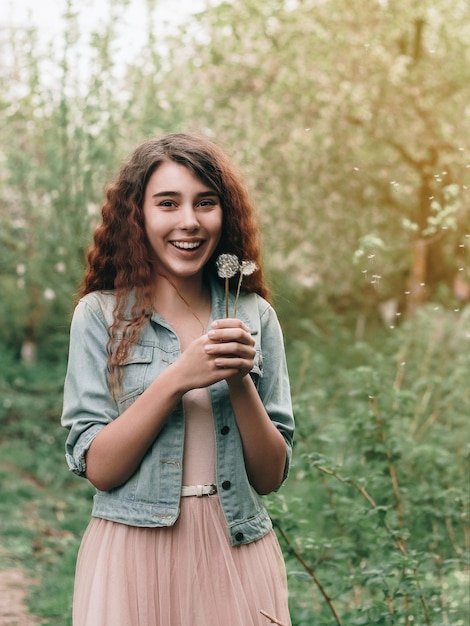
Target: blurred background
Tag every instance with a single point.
(350, 122)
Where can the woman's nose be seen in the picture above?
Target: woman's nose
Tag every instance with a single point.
(189, 218)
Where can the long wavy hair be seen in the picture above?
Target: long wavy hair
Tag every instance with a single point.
(121, 257)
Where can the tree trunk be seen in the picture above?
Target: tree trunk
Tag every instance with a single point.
(417, 289)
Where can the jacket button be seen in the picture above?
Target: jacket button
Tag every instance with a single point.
(239, 536)
(225, 430)
(226, 485)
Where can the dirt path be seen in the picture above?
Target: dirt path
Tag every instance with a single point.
(14, 586)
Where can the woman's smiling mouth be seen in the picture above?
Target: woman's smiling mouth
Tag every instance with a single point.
(186, 245)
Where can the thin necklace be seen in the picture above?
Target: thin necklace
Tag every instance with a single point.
(186, 303)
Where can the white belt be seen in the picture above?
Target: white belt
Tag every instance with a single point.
(198, 490)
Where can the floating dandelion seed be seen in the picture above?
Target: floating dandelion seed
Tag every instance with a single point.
(227, 267)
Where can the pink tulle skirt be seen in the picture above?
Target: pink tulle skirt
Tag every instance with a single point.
(185, 575)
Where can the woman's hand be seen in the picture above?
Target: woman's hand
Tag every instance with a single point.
(232, 347)
(226, 352)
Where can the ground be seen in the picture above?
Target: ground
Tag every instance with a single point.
(14, 585)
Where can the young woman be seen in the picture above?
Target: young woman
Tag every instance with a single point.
(179, 414)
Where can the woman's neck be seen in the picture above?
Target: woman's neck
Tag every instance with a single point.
(192, 290)
(186, 305)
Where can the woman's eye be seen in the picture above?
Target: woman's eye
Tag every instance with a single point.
(207, 203)
(167, 203)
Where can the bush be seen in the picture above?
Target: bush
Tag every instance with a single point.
(374, 518)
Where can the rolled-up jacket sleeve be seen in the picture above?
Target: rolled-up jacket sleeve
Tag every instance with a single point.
(88, 405)
(274, 387)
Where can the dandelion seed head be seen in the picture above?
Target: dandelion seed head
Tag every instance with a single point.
(248, 267)
(227, 265)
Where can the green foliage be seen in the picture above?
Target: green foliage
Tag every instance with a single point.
(377, 503)
(60, 141)
(350, 122)
(43, 508)
(374, 517)
(340, 114)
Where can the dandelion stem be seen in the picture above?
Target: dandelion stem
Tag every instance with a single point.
(238, 293)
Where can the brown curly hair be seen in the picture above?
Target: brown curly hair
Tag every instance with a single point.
(120, 257)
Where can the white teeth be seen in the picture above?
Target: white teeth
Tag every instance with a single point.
(186, 245)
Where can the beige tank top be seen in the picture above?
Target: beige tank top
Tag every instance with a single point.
(199, 440)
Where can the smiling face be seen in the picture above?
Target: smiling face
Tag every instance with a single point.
(183, 221)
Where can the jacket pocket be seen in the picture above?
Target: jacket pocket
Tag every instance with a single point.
(133, 372)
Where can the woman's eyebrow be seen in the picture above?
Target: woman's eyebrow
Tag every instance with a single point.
(159, 194)
(202, 194)
(205, 194)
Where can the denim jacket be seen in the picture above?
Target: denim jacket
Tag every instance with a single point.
(151, 497)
